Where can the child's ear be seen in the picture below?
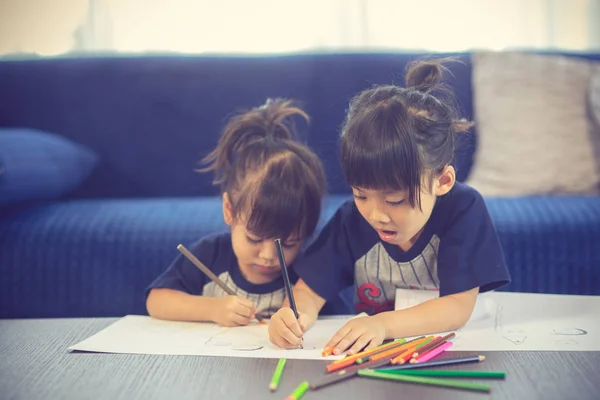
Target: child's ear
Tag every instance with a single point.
(227, 209)
(445, 181)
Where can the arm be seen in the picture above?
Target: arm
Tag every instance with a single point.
(443, 314)
(438, 315)
(175, 305)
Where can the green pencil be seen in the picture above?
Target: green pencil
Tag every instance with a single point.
(446, 373)
(299, 391)
(277, 375)
(425, 381)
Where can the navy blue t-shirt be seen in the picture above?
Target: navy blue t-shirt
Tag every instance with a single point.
(216, 252)
(458, 250)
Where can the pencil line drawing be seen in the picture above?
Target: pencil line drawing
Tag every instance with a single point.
(567, 342)
(220, 339)
(569, 332)
(518, 340)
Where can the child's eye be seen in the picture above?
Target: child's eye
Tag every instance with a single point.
(359, 197)
(254, 241)
(289, 245)
(395, 203)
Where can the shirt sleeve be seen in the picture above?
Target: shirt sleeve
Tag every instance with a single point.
(470, 254)
(327, 266)
(183, 275)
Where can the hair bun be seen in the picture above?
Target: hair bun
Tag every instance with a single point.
(425, 75)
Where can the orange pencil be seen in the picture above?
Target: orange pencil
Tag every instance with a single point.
(367, 353)
(339, 365)
(397, 350)
(404, 357)
(327, 352)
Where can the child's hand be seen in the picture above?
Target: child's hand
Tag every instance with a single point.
(358, 333)
(233, 311)
(285, 330)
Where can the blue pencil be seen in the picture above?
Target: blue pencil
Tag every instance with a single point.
(448, 361)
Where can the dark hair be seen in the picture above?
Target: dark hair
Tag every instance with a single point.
(263, 168)
(392, 135)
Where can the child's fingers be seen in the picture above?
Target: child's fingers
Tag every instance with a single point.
(244, 311)
(373, 344)
(346, 342)
(247, 303)
(290, 339)
(280, 339)
(290, 321)
(302, 322)
(360, 344)
(339, 335)
(240, 319)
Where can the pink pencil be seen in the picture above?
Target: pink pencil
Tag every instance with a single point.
(434, 353)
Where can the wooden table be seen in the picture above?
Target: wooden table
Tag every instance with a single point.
(35, 364)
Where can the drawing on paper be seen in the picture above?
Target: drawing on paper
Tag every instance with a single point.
(518, 340)
(569, 332)
(567, 342)
(221, 339)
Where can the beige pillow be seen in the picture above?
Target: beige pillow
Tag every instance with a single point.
(534, 132)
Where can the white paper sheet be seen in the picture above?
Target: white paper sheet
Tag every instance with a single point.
(503, 321)
(137, 334)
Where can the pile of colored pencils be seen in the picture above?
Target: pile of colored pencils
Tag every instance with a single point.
(404, 361)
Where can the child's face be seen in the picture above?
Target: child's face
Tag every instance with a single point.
(390, 213)
(257, 257)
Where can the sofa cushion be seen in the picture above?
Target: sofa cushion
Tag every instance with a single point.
(94, 258)
(534, 132)
(36, 165)
(594, 100)
(84, 258)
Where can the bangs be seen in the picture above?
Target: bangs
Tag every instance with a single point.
(281, 205)
(375, 157)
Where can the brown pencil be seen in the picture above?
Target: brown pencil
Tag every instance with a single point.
(432, 345)
(194, 260)
(347, 373)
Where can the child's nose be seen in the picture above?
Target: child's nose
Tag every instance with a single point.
(268, 251)
(377, 215)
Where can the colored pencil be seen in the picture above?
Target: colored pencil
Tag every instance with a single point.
(406, 344)
(447, 373)
(286, 277)
(205, 269)
(368, 364)
(367, 353)
(277, 375)
(437, 363)
(299, 391)
(348, 373)
(194, 260)
(436, 343)
(327, 352)
(398, 350)
(404, 357)
(434, 353)
(338, 366)
(425, 381)
(333, 378)
(345, 362)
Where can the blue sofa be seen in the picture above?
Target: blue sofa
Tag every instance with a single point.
(150, 119)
